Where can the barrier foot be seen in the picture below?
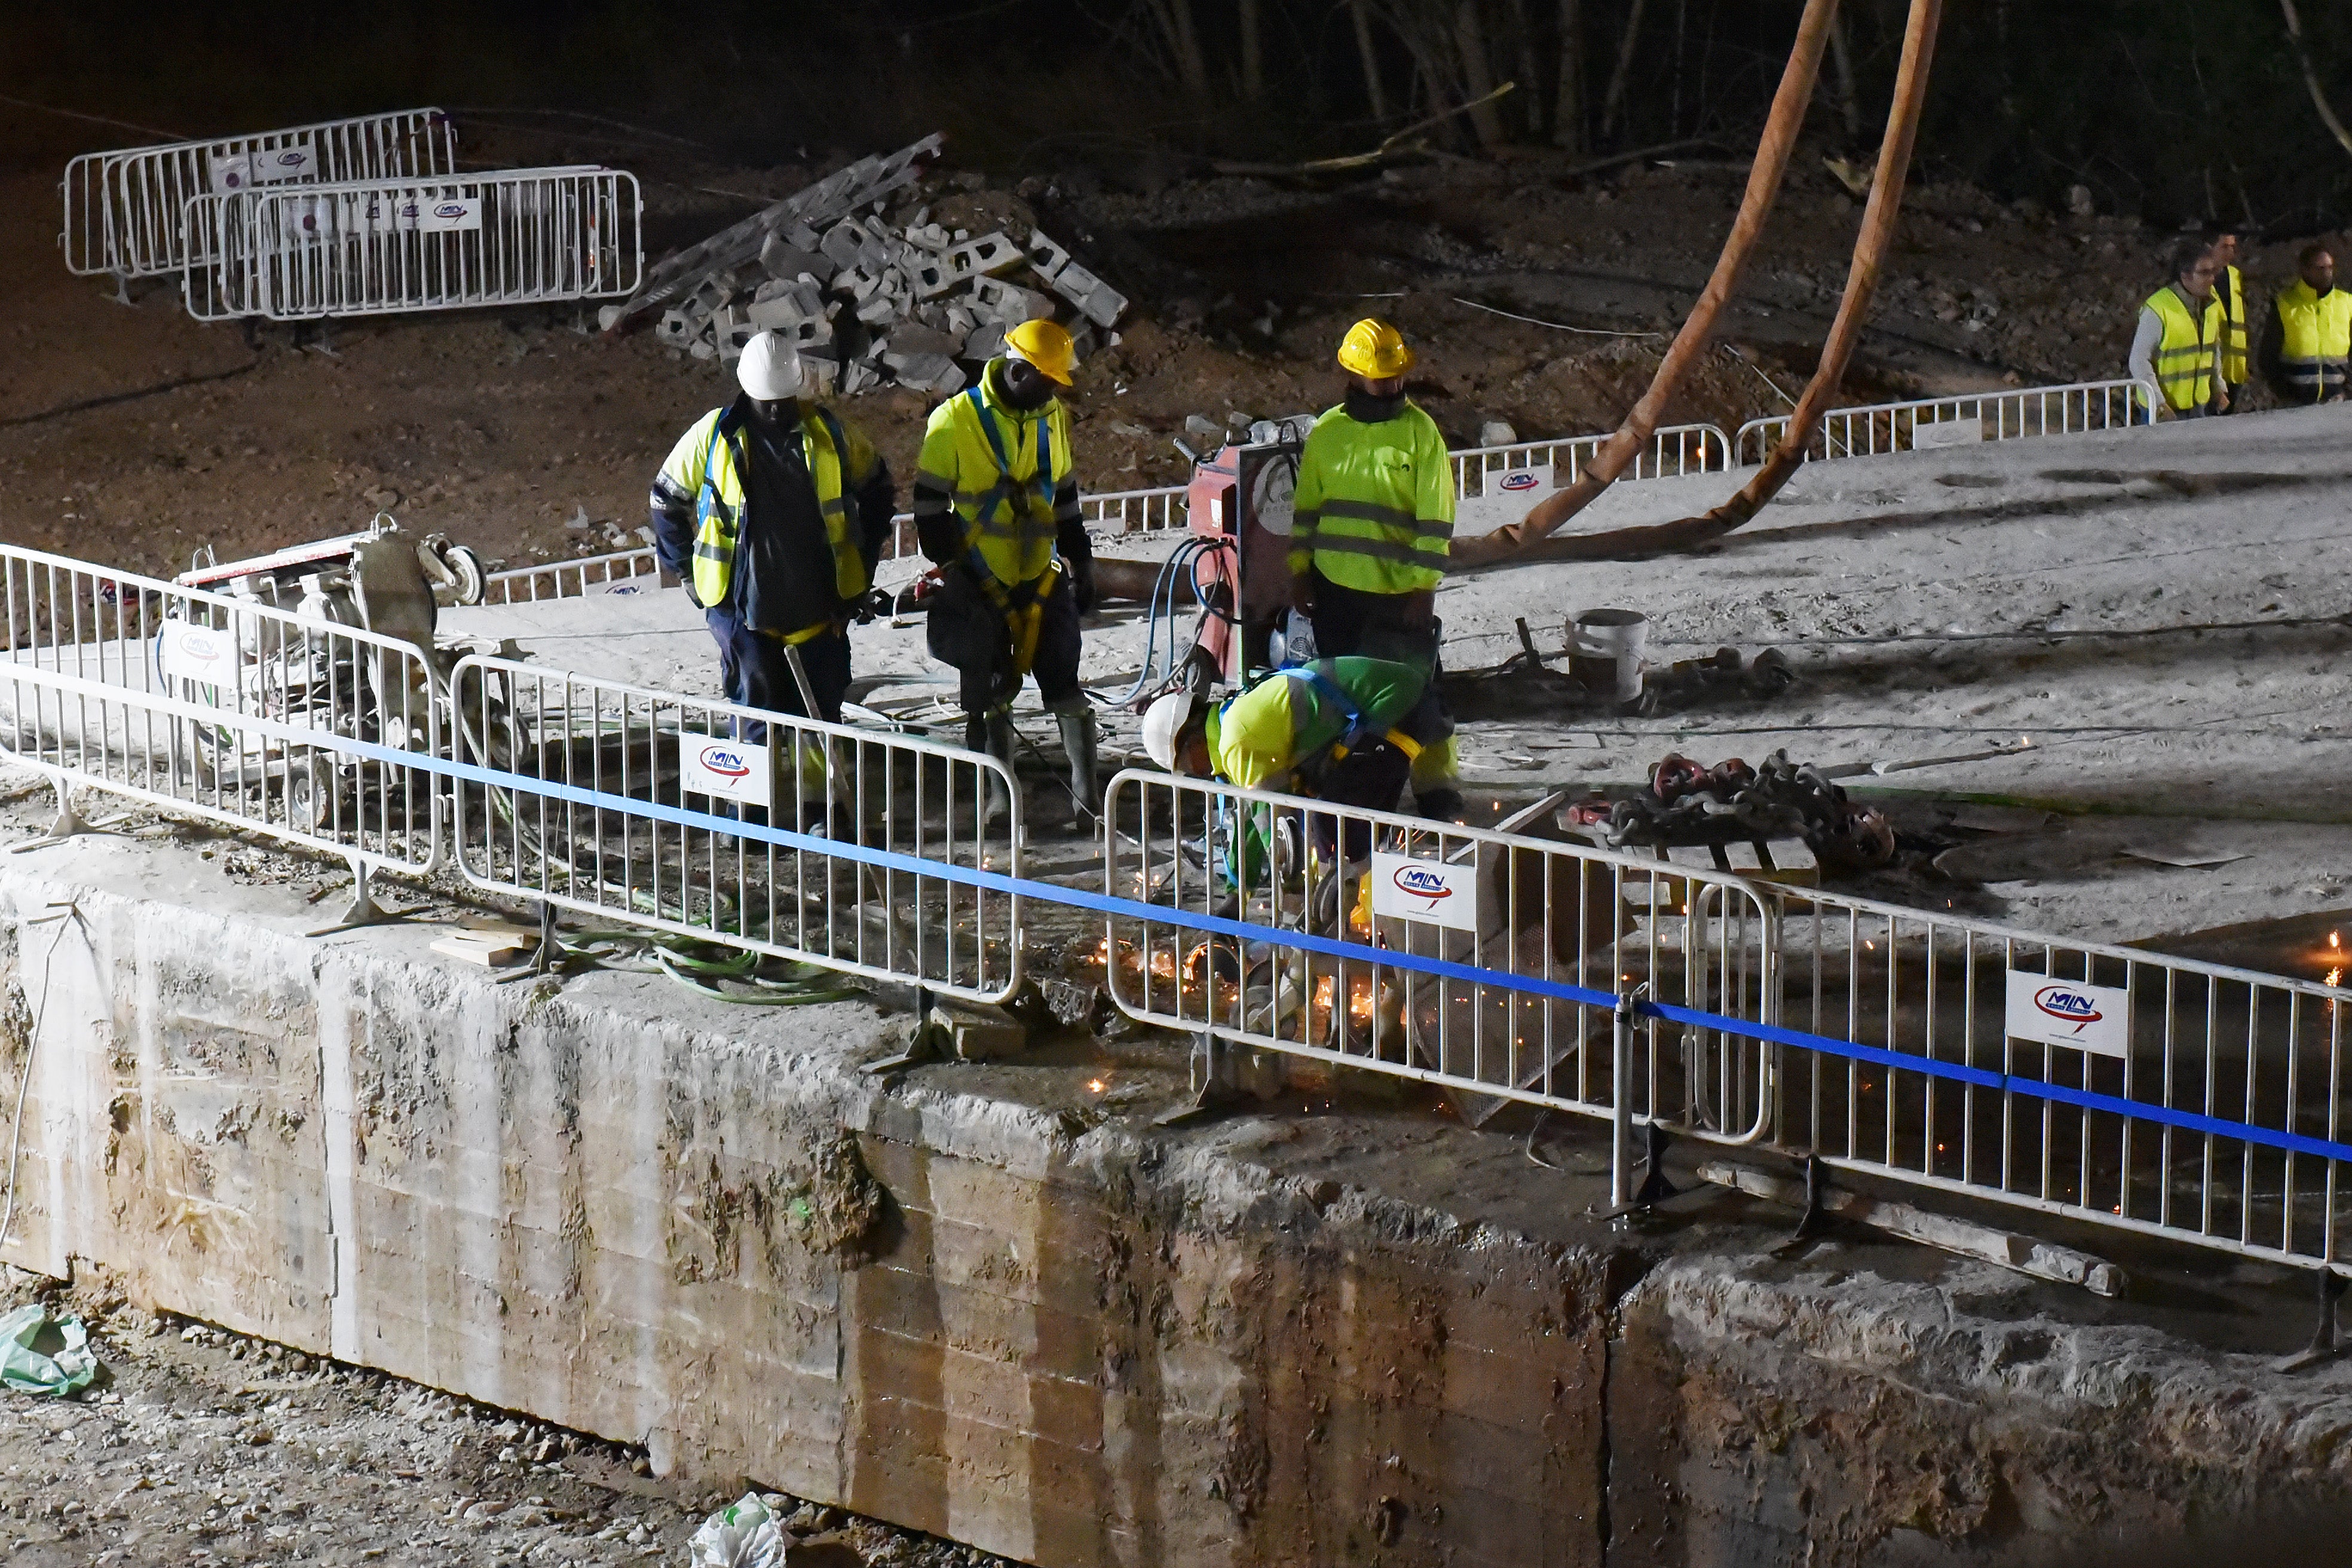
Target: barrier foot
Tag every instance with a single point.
(68, 823)
(122, 290)
(930, 1042)
(363, 909)
(2323, 1347)
(1654, 1187)
(1817, 1185)
(1215, 1092)
(543, 957)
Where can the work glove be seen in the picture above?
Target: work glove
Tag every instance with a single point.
(872, 604)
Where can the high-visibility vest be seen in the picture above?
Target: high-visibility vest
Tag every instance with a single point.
(1302, 719)
(2231, 290)
(1001, 468)
(2184, 360)
(708, 463)
(1373, 510)
(2315, 339)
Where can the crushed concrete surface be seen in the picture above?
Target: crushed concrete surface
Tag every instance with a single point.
(200, 1445)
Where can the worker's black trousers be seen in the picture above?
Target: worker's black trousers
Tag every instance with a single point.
(1370, 778)
(989, 680)
(758, 675)
(1350, 623)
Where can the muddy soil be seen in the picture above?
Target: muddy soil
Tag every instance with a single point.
(137, 436)
(197, 1446)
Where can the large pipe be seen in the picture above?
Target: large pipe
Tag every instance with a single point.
(1870, 248)
(1772, 153)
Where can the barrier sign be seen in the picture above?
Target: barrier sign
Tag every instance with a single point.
(1505, 496)
(1929, 434)
(725, 769)
(262, 168)
(2069, 1013)
(200, 654)
(1425, 890)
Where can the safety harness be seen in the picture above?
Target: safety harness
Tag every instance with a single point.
(1022, 603)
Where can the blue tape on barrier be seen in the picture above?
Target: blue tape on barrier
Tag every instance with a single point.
(1219, 925)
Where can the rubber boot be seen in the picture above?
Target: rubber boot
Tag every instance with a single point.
(1078, 739)
(1003, 745)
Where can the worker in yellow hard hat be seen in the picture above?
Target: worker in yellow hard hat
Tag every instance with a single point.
(996, 509)
(1371, 529)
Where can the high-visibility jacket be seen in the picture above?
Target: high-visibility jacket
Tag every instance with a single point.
(1006, 478)
(1298, 720)
(1374, 505)
(2229, 288)
(2314, 346)
(709, 464)
(2184, 360)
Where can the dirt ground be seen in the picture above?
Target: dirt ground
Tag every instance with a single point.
(196, 1446)
(137, 435)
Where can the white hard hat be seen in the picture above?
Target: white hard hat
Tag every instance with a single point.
(1163, 723)
(769, 369)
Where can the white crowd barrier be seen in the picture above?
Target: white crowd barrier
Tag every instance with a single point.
(220, 707)
(551, 737)
(123, 209)
(1672, 452)
(1935, 423)
(620, 569)
(2189, 1100)
(509, 238)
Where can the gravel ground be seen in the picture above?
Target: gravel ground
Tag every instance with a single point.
(200, 1446)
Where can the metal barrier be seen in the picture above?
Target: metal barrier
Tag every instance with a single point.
(122, 209)
(1159, 511)
(2184, 1100)
(1931, 423)
(514, 237)
(617, 572)
(1574, 926)
(547, 736)
(220, 707)
(1674, 451)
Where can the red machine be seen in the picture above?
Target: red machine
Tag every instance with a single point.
(1242, 495)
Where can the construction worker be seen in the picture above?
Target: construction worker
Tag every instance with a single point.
(1343, 729)
(2230, 290)
(2177, 346)
(773, 510)
(996, 509)
(2307, 347)
(1371, 529)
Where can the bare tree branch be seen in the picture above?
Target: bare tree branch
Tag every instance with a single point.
(2311, 77)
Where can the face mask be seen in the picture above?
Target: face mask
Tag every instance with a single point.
(1366, 409)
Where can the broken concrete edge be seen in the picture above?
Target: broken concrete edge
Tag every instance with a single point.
(1989, 1244)
(1716, 1387)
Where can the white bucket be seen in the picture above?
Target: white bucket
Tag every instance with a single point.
(1615, 637)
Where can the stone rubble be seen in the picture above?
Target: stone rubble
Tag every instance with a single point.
(869, 303)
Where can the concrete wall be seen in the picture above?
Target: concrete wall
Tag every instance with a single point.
(973, 1310)
(704, 1231)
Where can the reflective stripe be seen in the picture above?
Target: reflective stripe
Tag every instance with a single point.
(2314, 339)
(2184, 360)
(1379, 550)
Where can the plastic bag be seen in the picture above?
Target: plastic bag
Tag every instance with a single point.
(67, 1369)
(743, 1534)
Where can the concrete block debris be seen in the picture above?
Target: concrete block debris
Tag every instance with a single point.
(874, 300)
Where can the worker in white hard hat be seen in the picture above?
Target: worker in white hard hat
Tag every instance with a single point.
(996, 509)
(1346, 731)
(1372, 529)
(772, 509)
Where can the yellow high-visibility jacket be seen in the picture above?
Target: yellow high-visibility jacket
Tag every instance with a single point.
(2184, 360)
(2315, 342)
(2229, 288)
(1374, 506)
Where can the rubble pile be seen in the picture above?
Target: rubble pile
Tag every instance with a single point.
(866, 302)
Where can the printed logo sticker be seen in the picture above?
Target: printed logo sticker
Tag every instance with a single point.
(199, 654)
(724, 769)
(2069, 1013)
(1425, 890)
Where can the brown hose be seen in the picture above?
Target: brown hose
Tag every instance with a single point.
(1772, 153)
(1870, 248)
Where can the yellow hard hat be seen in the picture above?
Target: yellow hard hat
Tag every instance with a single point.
(1046, 345)
(1374, 349)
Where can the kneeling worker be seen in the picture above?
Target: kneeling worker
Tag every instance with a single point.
(773, 510)
(996, 509)
(1346, 731)
(1373, 528)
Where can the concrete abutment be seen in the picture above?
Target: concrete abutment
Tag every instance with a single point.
(977, 1305)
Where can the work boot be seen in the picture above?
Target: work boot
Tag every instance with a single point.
(1440, 805)
(1079, 740)
(1002, 744)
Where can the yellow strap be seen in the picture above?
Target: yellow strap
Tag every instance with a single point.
(806, 634)
(1405, 744)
